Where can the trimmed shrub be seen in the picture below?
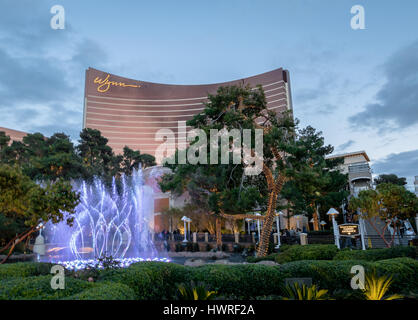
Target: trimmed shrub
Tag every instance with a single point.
(404, 272)
(24, 269)
(335, 275)
(307, 252)
(331, 275)
(377, 254)
(243, 281)
(39, 288)
(149, 280)
(105, 291)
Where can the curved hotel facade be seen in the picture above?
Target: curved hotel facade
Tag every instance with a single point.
(130, 112)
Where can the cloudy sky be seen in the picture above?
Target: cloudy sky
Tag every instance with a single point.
(360, 87)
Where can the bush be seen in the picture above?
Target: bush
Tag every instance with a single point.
(105, 291)
(331, 275)
(39, 288)
(307, 252)
(377, 254)
(149, 280)
(243, 281)
(159, 280)
(404, 272)
(24, 269)
(336, 275)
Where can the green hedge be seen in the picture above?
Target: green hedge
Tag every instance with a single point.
(243, 281)
(252, 280)
(404, 272)
(105, 291)
(377, 254)
(39, 288)
(307, 252)
(149, 280)
(156, 280)
(24, 269)
(334, 275)
(289, 253)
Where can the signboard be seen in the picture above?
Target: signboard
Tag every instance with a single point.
(348, 229)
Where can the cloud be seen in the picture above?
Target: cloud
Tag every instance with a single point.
(404, 164)
(42, 70)
(345, 145)
(397, 100)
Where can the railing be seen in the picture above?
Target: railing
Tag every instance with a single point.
(359, 168)
(371, 241)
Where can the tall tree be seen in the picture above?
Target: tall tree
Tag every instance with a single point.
(134, 159)
(23, 199)
(390, 178)
(313, 180)
(4, 140)
(224, 187)
(389, 203)
(96, 155)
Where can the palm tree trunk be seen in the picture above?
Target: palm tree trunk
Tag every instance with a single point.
(267, 226)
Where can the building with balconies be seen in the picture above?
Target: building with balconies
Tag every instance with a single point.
(356, 164)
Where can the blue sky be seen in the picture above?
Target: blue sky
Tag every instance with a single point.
(360, 87)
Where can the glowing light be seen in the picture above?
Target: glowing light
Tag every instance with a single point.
(123, 263)
(109, 221)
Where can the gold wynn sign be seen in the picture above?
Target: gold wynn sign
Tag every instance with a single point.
(105, 84)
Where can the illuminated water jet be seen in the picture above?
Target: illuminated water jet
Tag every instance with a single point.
(109, 221)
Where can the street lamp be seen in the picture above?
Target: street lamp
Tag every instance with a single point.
(333, 213)
(258, 225)
(278, 214)
(322, 223)
(185, 227)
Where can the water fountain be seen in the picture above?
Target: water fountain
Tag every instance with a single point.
(109, 222)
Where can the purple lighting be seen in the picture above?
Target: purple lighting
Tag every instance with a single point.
(109, 221)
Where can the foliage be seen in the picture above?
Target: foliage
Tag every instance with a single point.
(105, 291)
(377, 287)
(223, 189)
(295, 292)
(156, 280)
(403, 272)
(24, 269)
(50, 162)
(134, 159)
(39, 288)
(149, 280)
(21, 199)
(9, 227)
(194, 291)
(312, 178)
(202, 221)
(307, 252)
(93, 270)
(390, 203)
(377, 254)
(244, 281)
(56, 157)
(390, 178)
